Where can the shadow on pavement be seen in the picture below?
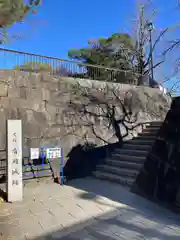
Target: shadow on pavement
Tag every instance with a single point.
(136, 219)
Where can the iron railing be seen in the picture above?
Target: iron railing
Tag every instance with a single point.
(22, 61)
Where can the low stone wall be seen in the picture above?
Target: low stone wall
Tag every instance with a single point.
(67, 111)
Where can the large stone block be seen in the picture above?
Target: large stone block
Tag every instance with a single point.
(32, 143)
(3, 89)
(51, 142)
(3, 154)
(7, 76)
(4, 102)
(3, 140)
(45, 94)
(53, 131)
(61, 96)
(46, 77)
(13, 92)
(3, 117)
(23, 92)
(38, 105)
(21, 104)
(35, 124)
(34, 79)
(51, 86)
(34, 93)
(21, 79)
(59, 119)
(32, 131)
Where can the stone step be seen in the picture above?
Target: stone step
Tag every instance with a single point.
(147, 134)
(141, 141)
(155, 124)
(156, 121)
(146, 137)
(127, 181)
(150, 129)
(118, 171)
(136, 146)
(130, 152)
(128, 158)
(124, 164)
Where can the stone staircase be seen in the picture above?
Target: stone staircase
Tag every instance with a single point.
(125, 163)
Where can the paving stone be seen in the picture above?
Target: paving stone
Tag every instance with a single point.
(90, 207)
(64, 218)
(79, 235)
(37, 207)
(76, 210)
(97, 210)
(102, 231)
(79, 226)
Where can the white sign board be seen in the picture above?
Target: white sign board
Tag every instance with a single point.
(14, 155)
(34, 153)
(52, 153)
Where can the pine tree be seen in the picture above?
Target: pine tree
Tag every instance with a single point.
(13, 11)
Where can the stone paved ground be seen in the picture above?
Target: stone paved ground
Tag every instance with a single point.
(87, 209)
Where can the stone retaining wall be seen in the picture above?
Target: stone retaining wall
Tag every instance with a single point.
(67, 111)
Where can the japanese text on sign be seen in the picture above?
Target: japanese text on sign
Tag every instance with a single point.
(15, 144)
(14, 137)
(14, 169)
(14, 159)
(52, 153)
(15, 182)
(14, 151)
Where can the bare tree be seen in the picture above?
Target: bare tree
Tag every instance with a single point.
(104, 112)
(152, 47)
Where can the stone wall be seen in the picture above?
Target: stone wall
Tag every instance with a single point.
(67, 111)
(159, 178)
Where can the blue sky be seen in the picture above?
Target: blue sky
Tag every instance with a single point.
(69, 24)
(66, 24)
